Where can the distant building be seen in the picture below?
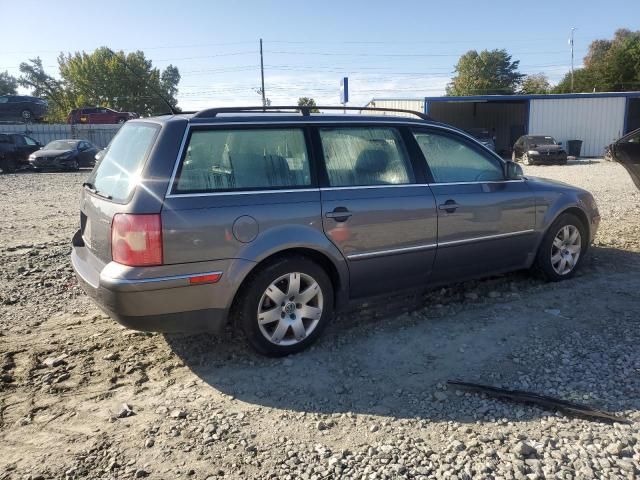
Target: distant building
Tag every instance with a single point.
(595, 118)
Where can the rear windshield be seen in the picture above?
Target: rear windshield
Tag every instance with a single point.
(118, 172)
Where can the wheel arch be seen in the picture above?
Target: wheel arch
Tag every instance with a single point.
(572, 209)
(337, 273)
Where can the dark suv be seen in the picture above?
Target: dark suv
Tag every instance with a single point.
(276, 219)
(22, 108)
(99, 115)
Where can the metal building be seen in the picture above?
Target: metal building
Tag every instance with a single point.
(595, 118)
(416, 104)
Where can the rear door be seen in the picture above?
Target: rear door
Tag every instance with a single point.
(485, 222)
(374, 210)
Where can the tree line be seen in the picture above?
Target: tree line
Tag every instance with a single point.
(609, 66)
(101, 78)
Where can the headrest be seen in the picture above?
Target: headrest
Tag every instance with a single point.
(372, 161)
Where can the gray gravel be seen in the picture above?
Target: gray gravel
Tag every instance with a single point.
(81, 397)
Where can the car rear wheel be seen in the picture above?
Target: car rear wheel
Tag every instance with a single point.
(26, 115)
(285, 306)
(562, 248)
(8, 165)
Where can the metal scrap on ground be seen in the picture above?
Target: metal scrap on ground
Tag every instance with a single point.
(540, 400)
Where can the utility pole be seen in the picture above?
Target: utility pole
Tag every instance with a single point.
(573, 29)
(264, 97)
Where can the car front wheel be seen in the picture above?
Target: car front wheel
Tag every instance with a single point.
(285, 306)
(526, 159)
(562, 248)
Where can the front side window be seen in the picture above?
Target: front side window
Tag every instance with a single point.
(365, 156)
(248, 159)
(30, 141)
(452, 160)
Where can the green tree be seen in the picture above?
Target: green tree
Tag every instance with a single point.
(8, 84)
(308, 102)
(45, 86)
(609, 66)
(101, 78)
(490, 72)
(537, 83)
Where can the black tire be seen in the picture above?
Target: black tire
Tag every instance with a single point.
(247, 303)
(8, 165)
(543, 263)
(75, 166)
(526, 160)
(26, 115)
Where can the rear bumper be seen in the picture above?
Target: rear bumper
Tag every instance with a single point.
(159, 299)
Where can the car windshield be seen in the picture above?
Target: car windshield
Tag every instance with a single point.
(61, 145)
(542, 140)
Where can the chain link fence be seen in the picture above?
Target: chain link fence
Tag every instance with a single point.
(99, 135)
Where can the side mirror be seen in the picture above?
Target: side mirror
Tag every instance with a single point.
(512, 170)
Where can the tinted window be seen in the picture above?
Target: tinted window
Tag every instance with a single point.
(453, 160)
(634, 138)
(244, 159)
(365, 156)
(119, 171)
(30, 141)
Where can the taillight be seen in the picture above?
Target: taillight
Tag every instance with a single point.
(136, 240)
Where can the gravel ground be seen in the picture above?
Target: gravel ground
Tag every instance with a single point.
(81, 397)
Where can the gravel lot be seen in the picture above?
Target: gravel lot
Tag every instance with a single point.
(81, 397)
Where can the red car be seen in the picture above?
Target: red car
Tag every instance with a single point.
(94, 115)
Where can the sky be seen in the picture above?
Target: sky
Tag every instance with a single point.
(400, 48)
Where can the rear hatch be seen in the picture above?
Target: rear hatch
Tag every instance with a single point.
(112, 183)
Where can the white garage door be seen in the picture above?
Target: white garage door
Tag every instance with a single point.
(595, 121)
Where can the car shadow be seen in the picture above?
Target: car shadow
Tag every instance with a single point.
(376, 362)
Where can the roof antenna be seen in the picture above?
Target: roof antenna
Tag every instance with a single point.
(172, 109)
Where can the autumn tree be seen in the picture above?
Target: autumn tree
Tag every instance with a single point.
(536, 83)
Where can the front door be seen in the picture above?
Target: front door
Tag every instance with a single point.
(627, 149)
(485, 222)
(373, 211)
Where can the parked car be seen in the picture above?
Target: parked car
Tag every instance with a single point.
(626, 150)
(275, 220)
(64, 155)
(532, 149)
(99, 115)
(22, 108)
(484, 137)
(15, 149)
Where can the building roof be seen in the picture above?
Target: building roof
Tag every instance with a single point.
(552, 96)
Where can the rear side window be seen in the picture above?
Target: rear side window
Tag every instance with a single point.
(249, 159)
(365, 156)
(119, 171)
(452, 160)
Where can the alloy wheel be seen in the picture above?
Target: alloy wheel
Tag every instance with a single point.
(565, 249)
(290, 309)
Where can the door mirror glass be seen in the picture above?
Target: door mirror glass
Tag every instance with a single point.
(513, 170)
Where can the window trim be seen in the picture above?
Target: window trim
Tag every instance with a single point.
(182, 153)
(325, 183)
(469, 142)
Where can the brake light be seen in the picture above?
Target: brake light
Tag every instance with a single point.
(136, 240)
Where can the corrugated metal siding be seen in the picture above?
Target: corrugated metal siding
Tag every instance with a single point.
(402, 103)
(595, 121)
(99, 135)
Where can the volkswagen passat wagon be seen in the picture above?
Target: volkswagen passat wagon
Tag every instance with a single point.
(274, 220)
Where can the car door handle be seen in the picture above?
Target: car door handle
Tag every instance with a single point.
(449, 206)
(339, 214)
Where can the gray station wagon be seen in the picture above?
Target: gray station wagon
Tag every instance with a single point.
(275, 218)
